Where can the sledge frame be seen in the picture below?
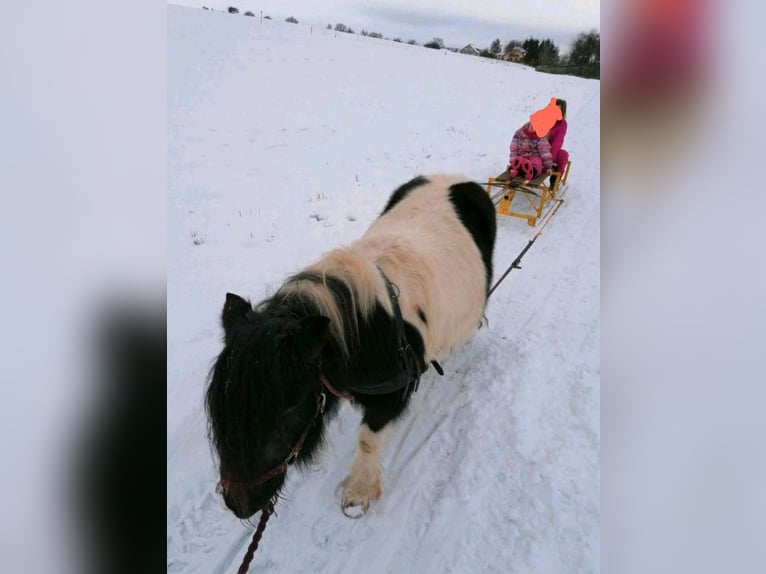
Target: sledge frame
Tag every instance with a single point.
(535, 192)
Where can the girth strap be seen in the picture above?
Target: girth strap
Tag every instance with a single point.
(407, 355)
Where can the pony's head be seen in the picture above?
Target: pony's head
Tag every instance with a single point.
(262, 399)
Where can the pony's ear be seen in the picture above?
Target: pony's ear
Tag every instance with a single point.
(311, 336)
(234, 309)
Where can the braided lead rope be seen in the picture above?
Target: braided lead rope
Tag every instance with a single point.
(267, 511)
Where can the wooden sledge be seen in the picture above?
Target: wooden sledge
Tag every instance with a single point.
(527, 199)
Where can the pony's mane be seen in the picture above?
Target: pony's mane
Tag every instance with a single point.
(342, 286)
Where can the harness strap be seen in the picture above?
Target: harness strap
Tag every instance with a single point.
(407, 354)
(333, 390)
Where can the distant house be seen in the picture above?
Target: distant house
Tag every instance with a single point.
(516, 54)
(470, 50)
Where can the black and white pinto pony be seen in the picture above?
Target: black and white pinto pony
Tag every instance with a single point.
(362, 323)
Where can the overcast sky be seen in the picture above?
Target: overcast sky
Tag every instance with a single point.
(457, 22)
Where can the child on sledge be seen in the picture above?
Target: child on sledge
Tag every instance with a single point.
(530, 154)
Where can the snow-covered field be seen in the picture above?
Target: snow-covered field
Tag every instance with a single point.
(284, 142)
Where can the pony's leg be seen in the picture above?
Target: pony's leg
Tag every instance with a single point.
(363, 485)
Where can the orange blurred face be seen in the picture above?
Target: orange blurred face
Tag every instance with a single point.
(542, 120)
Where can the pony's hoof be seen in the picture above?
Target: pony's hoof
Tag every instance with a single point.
(358, 494)
(353, 510)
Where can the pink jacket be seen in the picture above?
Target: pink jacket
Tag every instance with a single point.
(525, 142)
(556, 137)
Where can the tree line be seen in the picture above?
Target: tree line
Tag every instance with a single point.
(583, 60)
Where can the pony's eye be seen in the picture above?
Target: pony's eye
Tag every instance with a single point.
(290, 411)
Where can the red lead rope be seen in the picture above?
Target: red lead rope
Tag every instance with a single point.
(265, 513)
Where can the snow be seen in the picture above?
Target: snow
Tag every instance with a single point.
(285, 142)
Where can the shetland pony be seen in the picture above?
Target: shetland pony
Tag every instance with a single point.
(362, 323)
